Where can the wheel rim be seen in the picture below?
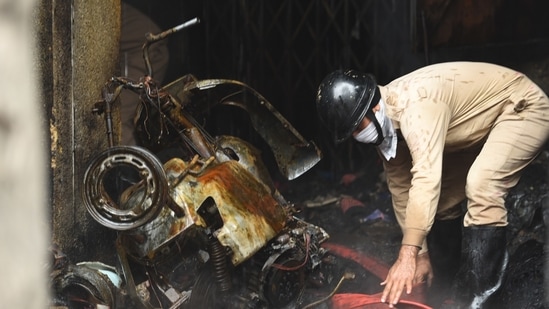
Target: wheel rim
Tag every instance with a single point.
(142, 200)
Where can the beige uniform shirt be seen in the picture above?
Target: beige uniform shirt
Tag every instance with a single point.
(442, 108)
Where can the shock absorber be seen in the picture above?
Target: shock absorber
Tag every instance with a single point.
(219, 263)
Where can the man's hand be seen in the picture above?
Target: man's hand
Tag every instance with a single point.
(424, 271)
(401, 275)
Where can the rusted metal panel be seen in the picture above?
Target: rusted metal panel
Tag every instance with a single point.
(250, 214)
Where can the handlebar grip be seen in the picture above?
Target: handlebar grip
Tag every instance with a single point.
(151, 38)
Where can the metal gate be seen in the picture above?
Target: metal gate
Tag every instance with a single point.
(284, 48)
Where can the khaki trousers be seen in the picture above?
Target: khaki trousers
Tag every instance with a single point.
(517, 137)
(483, 175)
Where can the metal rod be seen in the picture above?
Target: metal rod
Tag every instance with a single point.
(152, 38)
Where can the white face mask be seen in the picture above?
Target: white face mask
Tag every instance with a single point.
(369, 134)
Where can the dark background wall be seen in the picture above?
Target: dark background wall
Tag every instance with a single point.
(284, 48)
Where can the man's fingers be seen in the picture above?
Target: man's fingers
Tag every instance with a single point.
(395, 294)
(409, 286)
(397, 290)
(419, 279)
(429, 279)
(386, 291)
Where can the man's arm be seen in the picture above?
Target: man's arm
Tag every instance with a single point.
(424, 126)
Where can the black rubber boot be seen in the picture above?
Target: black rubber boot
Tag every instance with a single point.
(483, 263)
(444, 242)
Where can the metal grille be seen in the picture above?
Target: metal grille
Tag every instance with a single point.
(290, 45)
(284, 48)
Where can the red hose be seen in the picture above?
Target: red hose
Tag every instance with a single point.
(376, 267)
(352, 300)
(380, 270)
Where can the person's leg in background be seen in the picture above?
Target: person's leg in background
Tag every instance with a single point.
(135, 24)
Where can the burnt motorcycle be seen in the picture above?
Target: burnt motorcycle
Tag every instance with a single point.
(200, 223)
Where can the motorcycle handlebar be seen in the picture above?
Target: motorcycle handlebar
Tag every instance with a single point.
(113, 88)
(153, 38)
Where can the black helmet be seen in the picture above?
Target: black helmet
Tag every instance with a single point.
(343, 99)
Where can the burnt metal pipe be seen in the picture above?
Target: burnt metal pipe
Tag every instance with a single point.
(152, 38)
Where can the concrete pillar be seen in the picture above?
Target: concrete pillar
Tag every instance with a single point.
(77, 54)
(23, 221)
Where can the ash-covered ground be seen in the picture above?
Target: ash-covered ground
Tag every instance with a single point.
(356, 211)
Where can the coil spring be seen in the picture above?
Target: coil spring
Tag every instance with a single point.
(253, 281)
(219, 263)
